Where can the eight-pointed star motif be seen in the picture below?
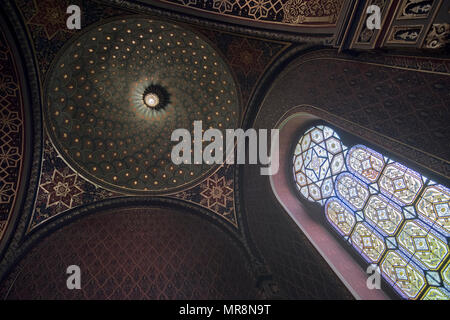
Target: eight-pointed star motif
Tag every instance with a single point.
(51, 15)
(217, 192)
(61, 189)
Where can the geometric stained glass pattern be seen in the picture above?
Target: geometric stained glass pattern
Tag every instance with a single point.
(365, 163)
(406, 278)
(393, 216)
(319, 157)
(385, 215)
(434, 207)
(340, 216)
(422, 245)
(446, 275)
(352, 191)
(367, 242)
(436, 294)
(400, 182)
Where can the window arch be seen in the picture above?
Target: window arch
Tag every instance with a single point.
(391, 215)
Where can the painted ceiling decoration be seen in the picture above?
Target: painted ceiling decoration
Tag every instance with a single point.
(406, 23)
(148, 252)
(337, 23)
(103, 127)
(115, 91)
(49, 31)
(12, 134)
(215, 193)
(350, 111)
(304, 12)
(62, 189)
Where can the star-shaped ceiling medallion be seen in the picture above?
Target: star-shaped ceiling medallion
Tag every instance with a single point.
(51, 16)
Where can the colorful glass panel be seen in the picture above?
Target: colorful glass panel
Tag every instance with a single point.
(365, 163)
(352, 191)
(340, 216)
(406, 278)
(420, 243)
(367, 242)
(436, 293)
(384, 215)
(401, 183)
(434, 207)
(392, 215)
(446, 275)
(319, 157)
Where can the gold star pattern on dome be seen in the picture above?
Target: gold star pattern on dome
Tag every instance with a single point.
(97, 116)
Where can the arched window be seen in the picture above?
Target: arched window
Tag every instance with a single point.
(391, 215)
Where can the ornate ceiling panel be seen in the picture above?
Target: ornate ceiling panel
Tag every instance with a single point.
(136, 253)
(406, 23)
(295, 12)
(12, 133)
(98, 116)
(61, 188)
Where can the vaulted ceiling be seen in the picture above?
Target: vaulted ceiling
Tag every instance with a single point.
(86, 117)
(96, 111)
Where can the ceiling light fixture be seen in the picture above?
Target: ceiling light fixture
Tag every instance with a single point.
(155, 97)
(151, 100)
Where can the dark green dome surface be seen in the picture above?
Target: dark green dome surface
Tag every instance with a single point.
(95, 111)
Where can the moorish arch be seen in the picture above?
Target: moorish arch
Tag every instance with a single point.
(134, 249)
(345, 196)
(344, 99)
(20, 131)
(78, 161)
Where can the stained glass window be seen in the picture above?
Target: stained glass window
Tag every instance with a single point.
(391, 215)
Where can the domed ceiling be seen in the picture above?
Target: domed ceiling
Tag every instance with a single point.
(115, 95)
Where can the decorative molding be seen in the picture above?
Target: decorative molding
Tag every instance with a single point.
(405, 34)
(410, 21)
(365, 38)
(325, 37)
(296, 12)
(34, 135)
(12, 134)
(415, 9)
(438, 36)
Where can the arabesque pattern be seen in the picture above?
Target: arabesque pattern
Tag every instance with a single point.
(12, 134)
(296, 12)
